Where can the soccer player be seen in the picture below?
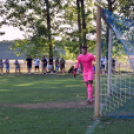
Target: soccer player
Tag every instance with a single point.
(88, 70)
(29, 64)
(37, 62)
(17, 66)
(44, 65)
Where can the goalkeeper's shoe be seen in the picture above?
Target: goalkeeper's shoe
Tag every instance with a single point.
(90, 100)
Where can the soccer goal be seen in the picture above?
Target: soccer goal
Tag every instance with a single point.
(114, 90)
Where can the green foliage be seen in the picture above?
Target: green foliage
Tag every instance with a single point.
(126, 8)
(31, 17)
(2, 13)
(72, 49)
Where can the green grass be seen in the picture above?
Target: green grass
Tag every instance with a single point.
(41, 88)
(44, 121)
(23, 89)
(114, 126)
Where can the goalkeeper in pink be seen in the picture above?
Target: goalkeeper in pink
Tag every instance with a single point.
(88, 70)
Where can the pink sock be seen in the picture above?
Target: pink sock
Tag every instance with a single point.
(90, 91)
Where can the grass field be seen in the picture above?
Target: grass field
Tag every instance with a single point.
(25, 90)
(33, 89)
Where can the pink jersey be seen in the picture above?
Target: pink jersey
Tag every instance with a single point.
(86, 61)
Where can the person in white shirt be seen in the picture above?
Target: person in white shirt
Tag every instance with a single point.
(37, 62)
(103, 64)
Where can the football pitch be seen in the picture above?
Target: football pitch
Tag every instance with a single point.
(50, 104)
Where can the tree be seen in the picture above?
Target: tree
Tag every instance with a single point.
(2, 13)
(37, 19)
(49, 28)
(127, 8)
(83, 22)
(80, 22)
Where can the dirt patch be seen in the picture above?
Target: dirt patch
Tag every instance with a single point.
(53, 105)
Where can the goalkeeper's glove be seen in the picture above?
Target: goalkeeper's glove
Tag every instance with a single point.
(74, 73)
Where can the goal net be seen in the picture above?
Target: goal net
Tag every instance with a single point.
(117, 83)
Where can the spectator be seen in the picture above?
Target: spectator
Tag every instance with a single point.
(17, 66)
(37, 62)
(113, 65)
(57, 65)
(103, 63)
(7, 65)
(62, 65)
(1, 66)
(50, 66)
(79, 70)
(29, 64)
(44, 65)
(71, 70)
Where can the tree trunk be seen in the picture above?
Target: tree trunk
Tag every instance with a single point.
(83, 22)
(49, 29)
(79, 22)
(110, 8)
(79, 27)
(110, 5)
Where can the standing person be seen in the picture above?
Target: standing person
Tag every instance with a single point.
(113, 65)
(50, 66)
(1, 66)
(17, 66)
(37, 62)
(29, 64)
(7, 65)
(44, 65)
(103, 63)
(57, 65)
(62, 65)
(88, 70)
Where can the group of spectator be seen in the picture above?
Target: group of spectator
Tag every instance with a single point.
(104, 65)
(59, 64)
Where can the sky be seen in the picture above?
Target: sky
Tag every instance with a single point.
(11, 33)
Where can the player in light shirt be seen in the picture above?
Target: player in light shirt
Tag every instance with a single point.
(86, 59)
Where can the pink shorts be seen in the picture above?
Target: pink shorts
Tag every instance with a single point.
(88, 76)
